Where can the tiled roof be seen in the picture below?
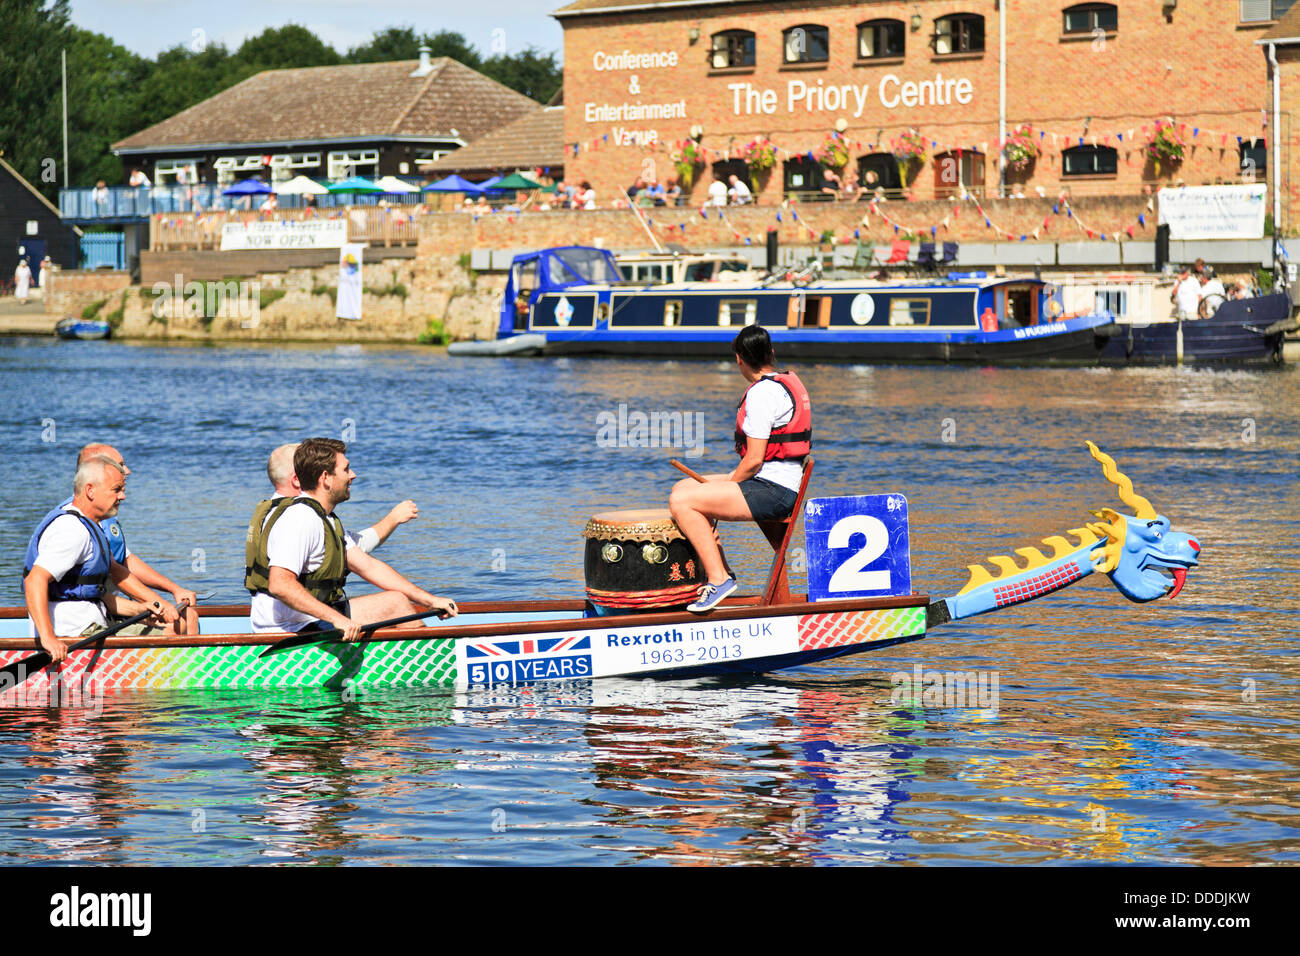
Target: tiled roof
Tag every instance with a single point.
(1287, 28)
(578, 7)
(536, 139)
(366, 100)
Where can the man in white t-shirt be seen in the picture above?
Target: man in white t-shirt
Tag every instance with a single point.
(279, 469)
(739, 192)
(717, 192)
(1186, 295)
(69, 564)
(308, 556)
(1212, 293)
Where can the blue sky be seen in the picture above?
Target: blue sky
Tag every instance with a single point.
(148, 26)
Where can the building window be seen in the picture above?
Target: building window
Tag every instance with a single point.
(1087, 17)
(959, 173)
(878, 39)
(732, 49)
(806, 43)
(880, 171)
(959, 33)
(1261, 11)
(344, 163)
(1254, 161)
(183, 171)
(1090, 161)
(803, 178)
(430, 155)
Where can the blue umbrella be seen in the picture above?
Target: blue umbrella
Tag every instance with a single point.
(453, 184)
(247, 187)
(491, 184)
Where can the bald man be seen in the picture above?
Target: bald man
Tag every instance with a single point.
(69, 566)
(139, 568)
(279, 469)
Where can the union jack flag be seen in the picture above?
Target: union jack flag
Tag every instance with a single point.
(530, 645)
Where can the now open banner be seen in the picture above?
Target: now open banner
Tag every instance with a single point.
(285, 234)
(1214, 212)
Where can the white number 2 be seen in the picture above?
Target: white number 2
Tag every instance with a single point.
(849, 576)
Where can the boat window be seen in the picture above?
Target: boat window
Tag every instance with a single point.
(733, 265)
(909, 312)
(628, 272)
(673, 312)
(1114, 301)
(1020, 307)
(699, 271)
(737, 311)
(651, 272)
(586, 265)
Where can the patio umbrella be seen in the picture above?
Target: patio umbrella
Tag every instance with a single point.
(301, 185)
(355, 184)
(247, 187)
(516, 181)
(489, 184)
(453, 184)
(391, 184)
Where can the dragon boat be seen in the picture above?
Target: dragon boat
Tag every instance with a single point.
(530, 641)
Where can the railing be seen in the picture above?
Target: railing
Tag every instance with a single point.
(127, 202)
(101, 250)
(376, 225)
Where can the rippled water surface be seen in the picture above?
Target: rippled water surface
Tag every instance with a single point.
(1160, 733)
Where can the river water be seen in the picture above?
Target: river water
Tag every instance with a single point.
(1104, 731)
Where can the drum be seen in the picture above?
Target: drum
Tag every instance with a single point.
(639, 560)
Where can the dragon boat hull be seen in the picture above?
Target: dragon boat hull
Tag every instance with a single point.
(545, 641)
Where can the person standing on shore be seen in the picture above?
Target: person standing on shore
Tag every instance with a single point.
(22, 281)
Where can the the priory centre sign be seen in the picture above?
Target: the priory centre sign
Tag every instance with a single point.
(747, 99)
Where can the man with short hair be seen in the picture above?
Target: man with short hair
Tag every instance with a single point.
(279, 469)
(739, 192)
(717, 192)
(307, 556)
(139, 568)
(69, 566)
(1186, 294)
(1212, 293)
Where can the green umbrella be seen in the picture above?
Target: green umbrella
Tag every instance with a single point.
(515, 181)
(355, 185)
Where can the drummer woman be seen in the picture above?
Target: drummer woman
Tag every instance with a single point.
(773, 436)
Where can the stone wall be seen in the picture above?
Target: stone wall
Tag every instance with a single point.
(70, 291)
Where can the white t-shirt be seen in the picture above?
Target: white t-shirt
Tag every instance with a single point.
(740, 193)
(588, 199)
(1214, 287)
(65, 542)
(1187, 295)
(768, 406)
(297, 542)
(717, 193)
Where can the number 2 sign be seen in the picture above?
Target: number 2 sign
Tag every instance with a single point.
(857, 547)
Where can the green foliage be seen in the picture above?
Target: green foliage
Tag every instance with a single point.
(1268, 224)
(1264, 279)
(267, 296)
(30, 110)
(92, 310)
(433, 334)
(329, 290)
(114, 318)
(288, 47)
(394, 288)
(530, 72)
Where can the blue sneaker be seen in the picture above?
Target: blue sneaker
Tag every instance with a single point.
(711, 596)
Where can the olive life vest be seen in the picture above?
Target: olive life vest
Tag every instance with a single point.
(83, 582)
(791, 441)
(325, 584)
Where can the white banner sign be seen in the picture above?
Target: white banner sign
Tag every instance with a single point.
(349, 296)
(1214, 212)
(285, 234)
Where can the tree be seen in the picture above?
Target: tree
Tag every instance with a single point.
(104, 82)
(30, 81)
(403, 43)
(286, 47)
(530, 72)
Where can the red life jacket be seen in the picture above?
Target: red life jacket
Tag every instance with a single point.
(788, 442)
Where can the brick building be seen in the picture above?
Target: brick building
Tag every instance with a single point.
(1071, 95)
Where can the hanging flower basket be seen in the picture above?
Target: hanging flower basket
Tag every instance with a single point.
(760, 154)
(909, 153)
(1020, 149)
(1167, 147)
(834, 153)
(687, 157)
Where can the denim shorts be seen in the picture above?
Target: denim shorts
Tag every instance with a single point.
(767, 500)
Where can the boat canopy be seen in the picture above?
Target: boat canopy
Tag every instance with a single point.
(568, 264)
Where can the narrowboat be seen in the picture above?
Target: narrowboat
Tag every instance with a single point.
(579, 301)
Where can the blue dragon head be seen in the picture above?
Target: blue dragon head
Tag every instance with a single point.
(1144, 559)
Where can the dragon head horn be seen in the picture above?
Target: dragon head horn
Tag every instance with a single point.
(1141, 507)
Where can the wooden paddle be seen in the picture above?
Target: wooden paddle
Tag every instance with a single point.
(690, 474)
(320, 637)
(17, 672)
